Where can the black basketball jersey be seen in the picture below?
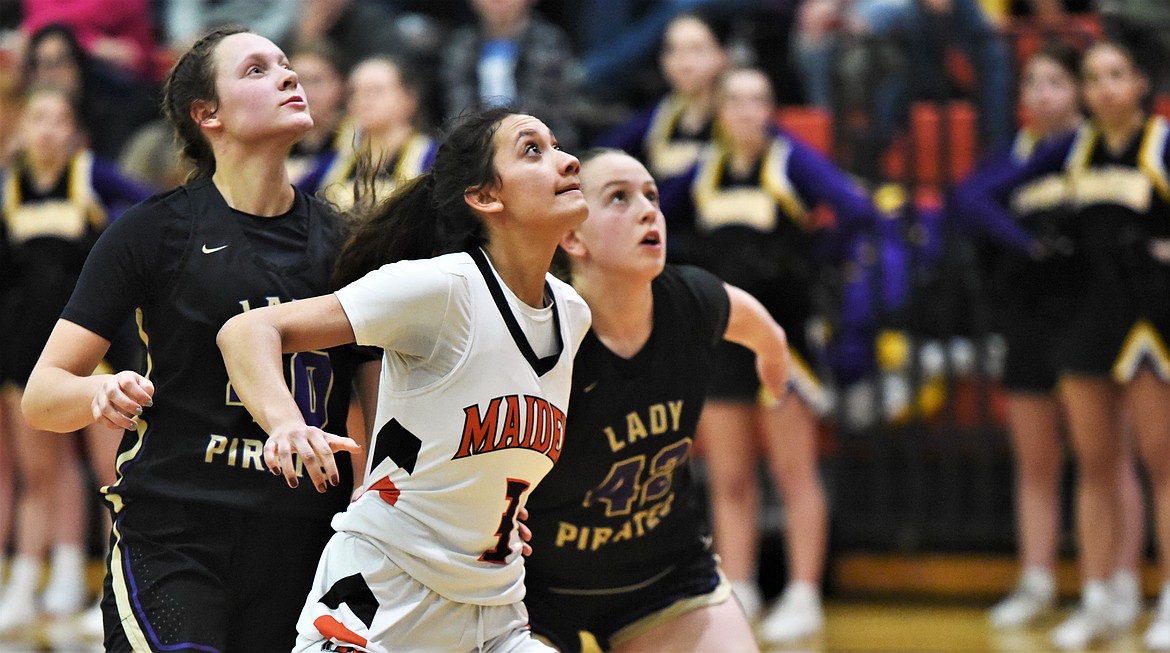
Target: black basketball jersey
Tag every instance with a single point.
(185, 263)
(620, 506)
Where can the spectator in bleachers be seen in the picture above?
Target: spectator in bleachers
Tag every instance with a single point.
(117, 34)
(109, 114)
(669, 136)
(1146, 24)
(619, 38)
(363, 28)
(319, 66)
(184, 21)
(511, 57)
(750, 221)
(1112, 356)
(921, 32)
(1032, 301)
(383, 106)
(56, 197)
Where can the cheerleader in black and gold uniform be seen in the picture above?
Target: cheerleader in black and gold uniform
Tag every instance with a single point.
(1032, 301)
(1112, 353)
(56, 198)
(668, 137)
(752, 198)
(1119, 184)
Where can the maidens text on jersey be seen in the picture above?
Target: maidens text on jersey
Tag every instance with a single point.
(540, 426)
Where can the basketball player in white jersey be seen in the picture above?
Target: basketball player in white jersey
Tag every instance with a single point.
(479, 343)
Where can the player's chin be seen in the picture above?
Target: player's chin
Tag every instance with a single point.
(299, 122)
(574, 210)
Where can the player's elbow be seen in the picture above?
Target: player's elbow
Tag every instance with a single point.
(231, 333)
(36, 406)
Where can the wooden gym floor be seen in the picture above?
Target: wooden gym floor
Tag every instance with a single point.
(878, 604)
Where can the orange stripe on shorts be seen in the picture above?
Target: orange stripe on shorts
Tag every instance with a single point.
(334, 630)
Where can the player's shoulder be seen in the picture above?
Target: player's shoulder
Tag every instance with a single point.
(426, 275)
(689, 279)
(687, 292)
(150, 217)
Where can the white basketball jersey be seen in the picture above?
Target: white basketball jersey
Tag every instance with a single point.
(469, 420)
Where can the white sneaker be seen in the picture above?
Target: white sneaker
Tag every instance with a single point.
(1157, 637)
(91, 623)
(18, 614)
(749, 597)
(1090, 622)
(1127, 598)
(1033, 597)
(64, 592)
(795, 616)
(63, 599)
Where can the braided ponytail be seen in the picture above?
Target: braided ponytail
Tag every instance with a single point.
(191, 79)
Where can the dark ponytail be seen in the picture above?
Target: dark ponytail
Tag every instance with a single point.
(427, 216)
(191, 79)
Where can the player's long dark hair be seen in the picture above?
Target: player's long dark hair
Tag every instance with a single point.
(428, 216)
(193, 78)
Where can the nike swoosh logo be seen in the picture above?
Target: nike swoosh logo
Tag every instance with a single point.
(212, 250)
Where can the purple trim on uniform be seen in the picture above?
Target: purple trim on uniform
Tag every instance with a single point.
(117, 191)
(979, 204)
(817, 180)
(142, 613)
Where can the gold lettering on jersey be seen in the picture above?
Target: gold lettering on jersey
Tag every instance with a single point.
(663, 418)
(749, 207)
(245, 453)
(592, 538)
(1120, 185)
(247, 305)
(539, 426)
(674, 157)
(1045, 193)
(47, 219)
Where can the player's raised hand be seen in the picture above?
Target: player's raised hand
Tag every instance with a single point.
(315, 449)
(122, 398)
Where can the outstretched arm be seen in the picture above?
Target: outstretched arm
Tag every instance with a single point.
(252, 344)
(749, 324)
(64, 395)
